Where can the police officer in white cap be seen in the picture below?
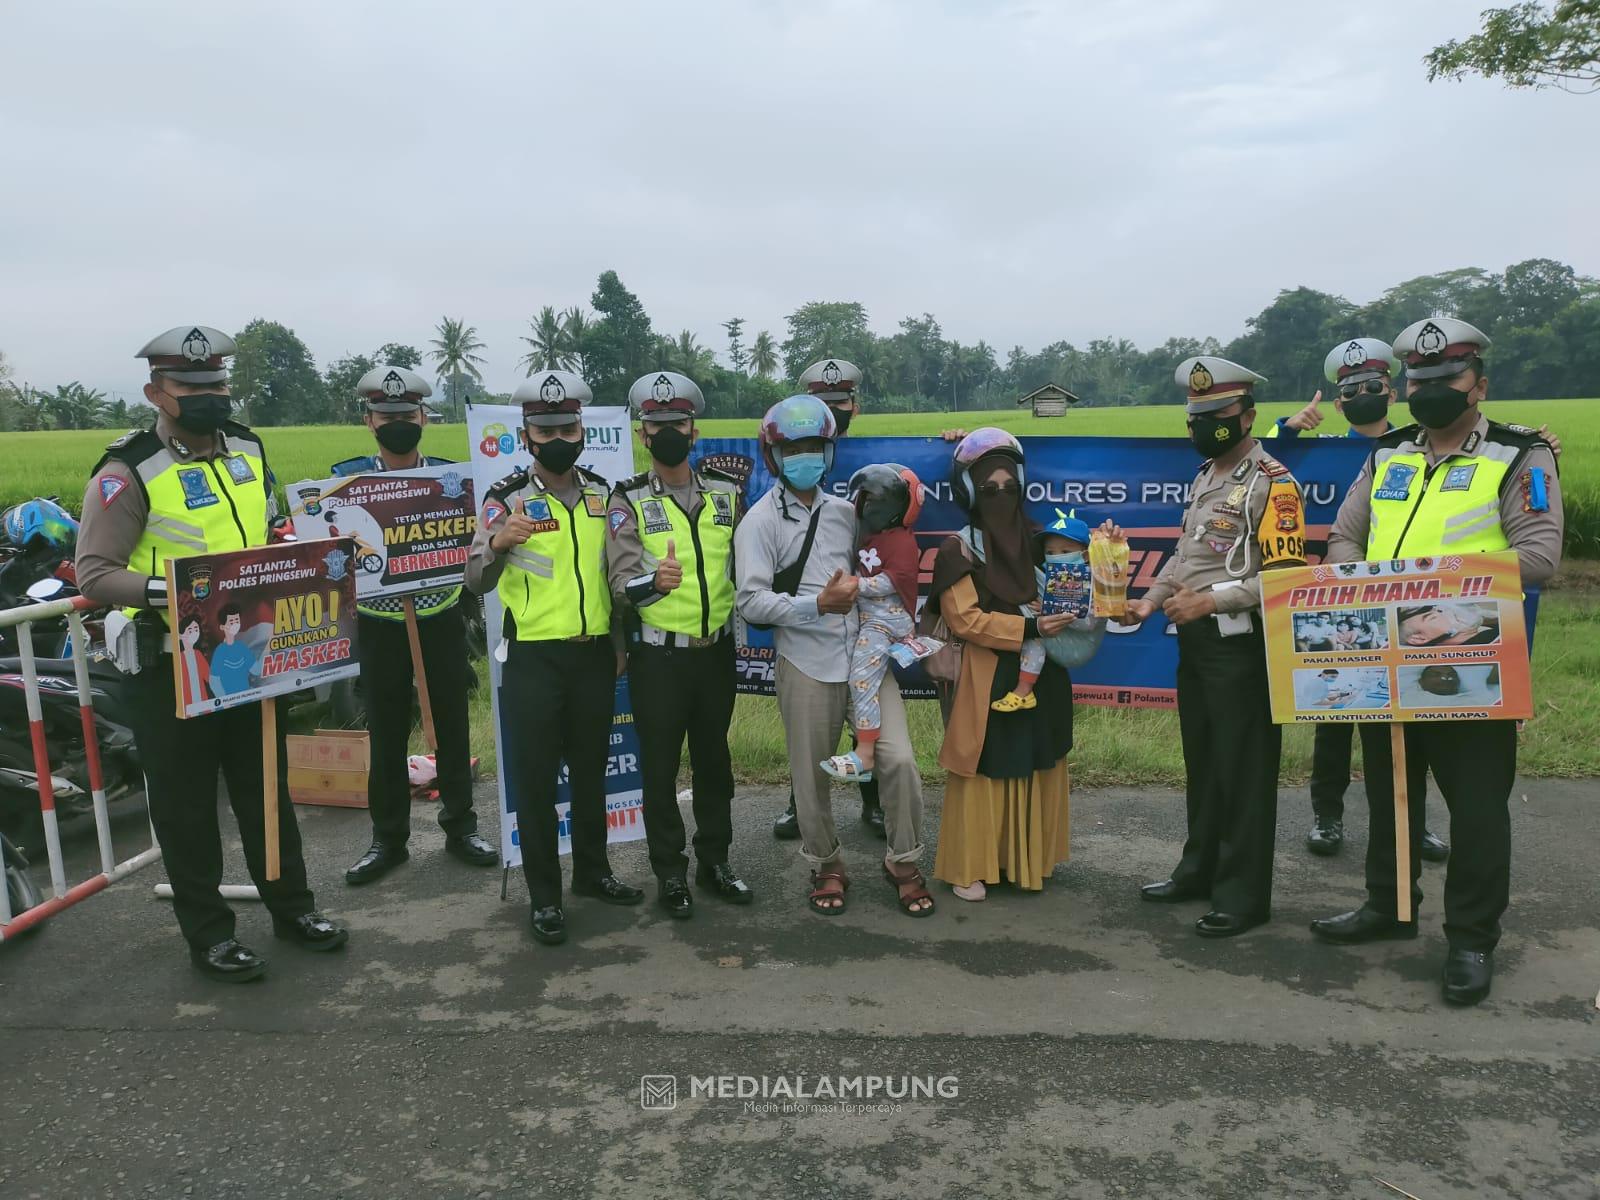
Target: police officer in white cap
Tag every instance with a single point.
(196, 483)
(1245, 516)
(541, 543)
(671, 562)
(1454, 483)
(393, 411)
(1362, 370)
(837, 383)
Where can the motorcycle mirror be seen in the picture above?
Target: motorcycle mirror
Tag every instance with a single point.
(45, 589)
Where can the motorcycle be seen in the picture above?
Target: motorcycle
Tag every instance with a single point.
(20, 888)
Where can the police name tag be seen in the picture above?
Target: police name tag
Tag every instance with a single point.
(655, 517)
(1396, 483)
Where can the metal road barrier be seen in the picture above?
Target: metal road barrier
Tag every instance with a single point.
(22, 618)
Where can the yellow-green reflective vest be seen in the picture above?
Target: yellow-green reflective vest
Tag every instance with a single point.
(702, 604)
(204, 506)
(1450, 507)
(554, 584)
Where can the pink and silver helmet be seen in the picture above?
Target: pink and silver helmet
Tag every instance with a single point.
(795, 419)
(981, 443)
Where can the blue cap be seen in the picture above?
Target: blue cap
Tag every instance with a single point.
(1068, 525)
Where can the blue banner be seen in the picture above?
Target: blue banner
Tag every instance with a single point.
(1141, 483)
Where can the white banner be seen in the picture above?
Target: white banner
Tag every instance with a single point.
(497, 452)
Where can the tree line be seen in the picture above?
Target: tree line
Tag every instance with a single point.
(1543, 316)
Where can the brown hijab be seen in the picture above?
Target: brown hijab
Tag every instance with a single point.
(1007, 547)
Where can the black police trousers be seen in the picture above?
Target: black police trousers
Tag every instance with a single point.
(1474, 764)
(556, 705)
(679, 692)
(1230, 756)
(386, 689)
(1330, 769)
(181, 759)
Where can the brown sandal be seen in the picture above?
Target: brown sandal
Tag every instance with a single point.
(918, 891)
(821, 891)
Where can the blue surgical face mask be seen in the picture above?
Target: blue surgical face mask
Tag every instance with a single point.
(1069, 556)
(804, 471)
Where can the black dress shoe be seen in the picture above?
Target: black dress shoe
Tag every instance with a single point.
(872, 818)
(377, 862)
(228, 961)
(722, 879)
(1467, 974)
(787, 827)
(675, 898)
(1220, 924)
(550, 925)
(1170, 892)
(1433, 849)
(1325, 838)
(1363, 925)
(313, 931)
(609, 889)
(470, 848)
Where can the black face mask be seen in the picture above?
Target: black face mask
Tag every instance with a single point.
(669, 447)
(841, 418)
(1216, 435)
(996, 508)
(558, 456)
(1436, 404)
(399, 437)
(204, 412)
(1364, 409)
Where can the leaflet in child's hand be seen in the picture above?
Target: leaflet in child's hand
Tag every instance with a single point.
(1067, 588)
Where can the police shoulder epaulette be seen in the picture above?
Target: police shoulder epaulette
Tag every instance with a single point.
(588, 476)
(1271, 467)
(1515, 435)
(1394, 438)
(429, 460)
(236, 429)
(513, 482)
(131, 448)
(633, 481)
(721, 476)
(353, 466)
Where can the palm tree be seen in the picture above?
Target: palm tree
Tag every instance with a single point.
(577, 329)
(763, 355)
(688, 357)
(454, 350)
(77, 407)
(547, 348)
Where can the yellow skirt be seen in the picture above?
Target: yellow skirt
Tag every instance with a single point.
(1013, 827)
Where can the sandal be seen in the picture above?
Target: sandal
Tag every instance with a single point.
(974, 891)
(820, 890)
(846, 768)
(918, 891)
(1011, 702)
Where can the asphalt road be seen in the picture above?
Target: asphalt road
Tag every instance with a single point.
(1085, 1044)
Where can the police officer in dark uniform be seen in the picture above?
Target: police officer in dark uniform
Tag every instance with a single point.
(1245, 515)
(541, 543)
(196, 483)
(394, 414)
(1454, 483)
(671, 562)
(835, 382)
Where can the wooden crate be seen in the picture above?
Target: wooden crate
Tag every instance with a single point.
(329, 767)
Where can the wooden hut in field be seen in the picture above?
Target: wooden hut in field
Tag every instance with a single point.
(1051, 400)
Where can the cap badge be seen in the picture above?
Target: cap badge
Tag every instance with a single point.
(1199, 378)
(1431, 339)
(662, 390)
(551, 391)
(831, 373)
(393, 386)
(1354, 355)
(196, 346)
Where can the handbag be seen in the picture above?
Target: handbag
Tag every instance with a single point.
(943, 666)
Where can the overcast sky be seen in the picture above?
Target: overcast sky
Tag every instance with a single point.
(1026, 172)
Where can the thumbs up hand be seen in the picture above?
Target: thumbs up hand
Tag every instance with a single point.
(838, 595)
(669, 573)
(518, 528)
(1309, 417)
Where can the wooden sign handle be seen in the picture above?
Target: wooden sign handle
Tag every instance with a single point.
(423, 701)
(1402, 823)
(269, 783)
